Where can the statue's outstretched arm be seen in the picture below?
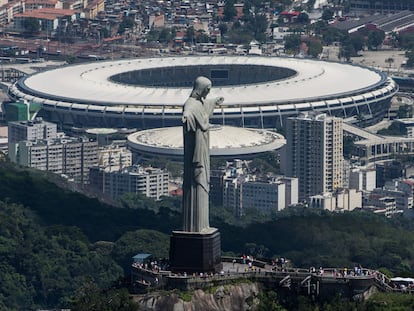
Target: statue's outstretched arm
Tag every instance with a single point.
(212, 103)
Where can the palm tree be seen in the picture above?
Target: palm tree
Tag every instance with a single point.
(389, 61)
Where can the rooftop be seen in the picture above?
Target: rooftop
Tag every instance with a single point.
(224, 141)
(92, 83)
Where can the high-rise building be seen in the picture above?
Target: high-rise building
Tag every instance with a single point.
(216, 186)
(339, 201)
(239, 190)
(362, 178)
(150, 181)
(291, 190)
(314, 153)
(68, 156)
(31, 130)
(240, 194)
(115, 157)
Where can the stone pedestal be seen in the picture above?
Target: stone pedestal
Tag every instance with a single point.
(195, 252)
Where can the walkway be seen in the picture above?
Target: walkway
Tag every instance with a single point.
(349, 282)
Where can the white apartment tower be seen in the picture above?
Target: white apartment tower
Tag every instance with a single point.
(28, 131)
(314, 153)
(150, 181)
(244, 192)
(362, 178)
(69, 156)
(31, 130)
(115, 157)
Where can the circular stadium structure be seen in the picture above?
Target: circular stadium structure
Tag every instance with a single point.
(258, 91)
(225, 141)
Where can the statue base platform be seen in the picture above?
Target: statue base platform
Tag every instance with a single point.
(195, 252)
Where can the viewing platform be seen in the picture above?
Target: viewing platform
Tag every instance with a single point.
(323, 283)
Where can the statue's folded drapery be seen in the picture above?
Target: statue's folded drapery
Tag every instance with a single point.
(196, 113)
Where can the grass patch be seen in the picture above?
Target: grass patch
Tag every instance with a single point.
(185, 296)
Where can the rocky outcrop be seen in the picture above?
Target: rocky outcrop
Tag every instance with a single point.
(240, 297)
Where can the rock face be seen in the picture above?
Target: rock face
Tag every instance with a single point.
(240, 297)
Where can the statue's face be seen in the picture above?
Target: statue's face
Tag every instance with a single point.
(205, 92)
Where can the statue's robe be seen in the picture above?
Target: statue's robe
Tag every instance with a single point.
(196, 181)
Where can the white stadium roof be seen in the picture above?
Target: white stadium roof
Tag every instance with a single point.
(91, 82)
(226, 141)
(258, 91)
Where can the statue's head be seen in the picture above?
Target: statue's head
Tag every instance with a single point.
(201, 87)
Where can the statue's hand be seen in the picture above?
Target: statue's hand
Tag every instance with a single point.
(219, 100)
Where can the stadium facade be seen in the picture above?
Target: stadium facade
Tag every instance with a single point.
(259, 92)
(382, 6)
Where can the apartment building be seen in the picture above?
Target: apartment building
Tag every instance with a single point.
(314, 153)
(114, 157)
(343, 200)
(28, 130)
(151, 182)
(362, 178)
(245, 192)
(71, 157)
(31, 130)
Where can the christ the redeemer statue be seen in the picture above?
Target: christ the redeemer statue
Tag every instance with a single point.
(196, 114)
(197, 248)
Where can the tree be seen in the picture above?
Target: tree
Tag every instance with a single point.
(229, 10)
(303, 18)
(375, 39)
(331, 35)
(44, 265)
(140, 241)
(389, 61)
(152, 35)
(202, 37)
(223, 28)
(190, 33)
(240, 35)
(358, 42)
(127, 23)
(165, 35)
(410, 58)
(258, 25)
(348, 146)
(91, 298)
(31, 25)
(259, 251)
(292, 43)
(315, 48)
(395, 129)
(269, 302)
(310, 4)
(327, 14)
(318, 27)
(346, 51)
(406, 40)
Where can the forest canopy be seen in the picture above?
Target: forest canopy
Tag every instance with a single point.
(55, 242)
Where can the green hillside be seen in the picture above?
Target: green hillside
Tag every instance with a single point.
(54, 242)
